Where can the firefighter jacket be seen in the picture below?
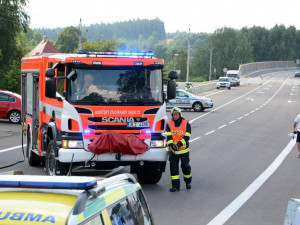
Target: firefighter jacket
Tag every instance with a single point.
(179, 132)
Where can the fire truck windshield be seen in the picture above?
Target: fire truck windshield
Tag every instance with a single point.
(131, 86)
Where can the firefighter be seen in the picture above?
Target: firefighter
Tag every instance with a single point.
(178, 136)
(188, 88)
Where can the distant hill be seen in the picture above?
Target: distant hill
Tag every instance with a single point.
(130, 30)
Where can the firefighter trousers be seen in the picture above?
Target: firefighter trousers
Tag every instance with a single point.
(185, 167)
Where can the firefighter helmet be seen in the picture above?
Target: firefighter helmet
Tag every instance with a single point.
(176, 110)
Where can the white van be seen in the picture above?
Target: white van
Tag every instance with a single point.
(234, 74)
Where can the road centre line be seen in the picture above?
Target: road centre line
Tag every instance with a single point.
(195, 139)
(237, 203)
(214, 93)
(222, 126)
(210, 132)
(12, 148)
(247, 114)
(191, 121)
(232, 121)
(240, 118)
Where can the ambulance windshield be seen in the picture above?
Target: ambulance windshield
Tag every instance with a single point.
(130, 86)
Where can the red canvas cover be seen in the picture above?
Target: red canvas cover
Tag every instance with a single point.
(112, 142)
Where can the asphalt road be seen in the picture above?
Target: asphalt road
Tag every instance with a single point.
(232, 145)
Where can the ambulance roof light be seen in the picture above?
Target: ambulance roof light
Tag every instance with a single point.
(55, 182)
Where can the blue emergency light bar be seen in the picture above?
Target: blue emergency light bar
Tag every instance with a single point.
(128, 54)
(54, 182)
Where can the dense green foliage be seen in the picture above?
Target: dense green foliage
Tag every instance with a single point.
(13, 20)
(227, 46)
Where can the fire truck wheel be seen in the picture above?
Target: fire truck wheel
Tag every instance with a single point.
(54, 167)
(50, 160)
(33, 159)
(14, 116)
(149, 174)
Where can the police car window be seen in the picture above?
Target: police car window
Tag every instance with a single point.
(180, 94)
(121, 214)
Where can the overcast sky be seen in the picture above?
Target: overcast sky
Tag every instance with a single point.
(198, 15)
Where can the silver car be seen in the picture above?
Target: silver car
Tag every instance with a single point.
(186, 100)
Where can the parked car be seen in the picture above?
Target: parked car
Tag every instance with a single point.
(223, 82)
(10, 106)
(297, 74)
(72, 200)
(186, 100)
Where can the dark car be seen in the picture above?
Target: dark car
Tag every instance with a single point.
(297, 74)
(10, 106)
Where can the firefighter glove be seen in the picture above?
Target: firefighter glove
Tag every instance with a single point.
(175, 147)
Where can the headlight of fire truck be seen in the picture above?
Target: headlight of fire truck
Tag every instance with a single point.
(72, 144)
(158, 143)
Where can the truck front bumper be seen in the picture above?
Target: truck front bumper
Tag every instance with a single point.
(81, 155)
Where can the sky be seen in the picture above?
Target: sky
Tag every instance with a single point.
(177, 15)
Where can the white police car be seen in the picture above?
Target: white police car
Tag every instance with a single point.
(186, 100)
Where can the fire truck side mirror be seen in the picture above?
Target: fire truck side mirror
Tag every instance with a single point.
(171, 89)
(173, 75)
(50, 90)
(50, 73)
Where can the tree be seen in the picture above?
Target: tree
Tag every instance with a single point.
(67, 40)
(13, 21)
(102, 45)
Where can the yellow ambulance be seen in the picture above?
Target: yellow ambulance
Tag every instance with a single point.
(70, 200)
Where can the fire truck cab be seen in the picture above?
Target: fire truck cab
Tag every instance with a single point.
(68, 100)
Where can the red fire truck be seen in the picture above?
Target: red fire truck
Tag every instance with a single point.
(68, 100)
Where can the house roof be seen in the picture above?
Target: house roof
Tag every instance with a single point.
(44, 46)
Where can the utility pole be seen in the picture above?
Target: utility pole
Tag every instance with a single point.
(80, 27)
(188, 60)
(79, 36)
(210, 62)
(175, 55)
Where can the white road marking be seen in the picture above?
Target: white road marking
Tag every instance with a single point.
(252, 111)
(240, 118)
(191, 121)
(12, 148)
(290, 101)
(293, 94)
(195, 139)
(222, 126)
(247, 114)
(260, 92)
(251, 99)
(237, 203)
(232, 121)
(214, 93)
(210, 132)
(257, 109)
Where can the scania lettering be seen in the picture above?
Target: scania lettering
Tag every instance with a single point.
(69, 100)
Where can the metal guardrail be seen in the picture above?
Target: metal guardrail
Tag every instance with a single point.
(204, 87)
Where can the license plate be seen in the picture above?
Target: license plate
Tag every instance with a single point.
(138, 124)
